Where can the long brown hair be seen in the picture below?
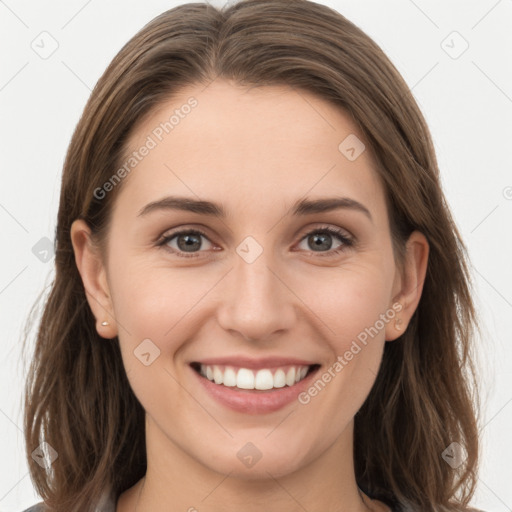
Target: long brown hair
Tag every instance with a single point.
(77, 396)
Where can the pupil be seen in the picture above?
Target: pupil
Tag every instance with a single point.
(321, 236)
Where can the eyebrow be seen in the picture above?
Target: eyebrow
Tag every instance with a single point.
(300, 207)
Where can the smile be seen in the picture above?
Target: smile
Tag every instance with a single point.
(245, 378)
(254, 391)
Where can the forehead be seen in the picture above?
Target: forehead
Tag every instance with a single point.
(244, 145)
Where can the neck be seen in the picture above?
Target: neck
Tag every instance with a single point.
(175, 477)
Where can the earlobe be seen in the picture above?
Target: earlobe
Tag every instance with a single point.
(93, 273)
(396, 326)
(412, 279)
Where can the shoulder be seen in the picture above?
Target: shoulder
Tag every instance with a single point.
(38, 507)
(107, 503)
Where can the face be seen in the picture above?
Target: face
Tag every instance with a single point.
(299, 288)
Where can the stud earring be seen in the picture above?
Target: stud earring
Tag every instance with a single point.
(104, 323)
(398, 326)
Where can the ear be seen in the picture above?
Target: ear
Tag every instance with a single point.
(408, 285)
(94, 277)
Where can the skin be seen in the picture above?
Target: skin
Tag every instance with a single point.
(256, 152)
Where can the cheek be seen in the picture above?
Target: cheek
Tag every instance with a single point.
(153, 307)
(347, 300)
(153, 303)
(154, 297)
(357, 313)
(351, 309)
(355, 334)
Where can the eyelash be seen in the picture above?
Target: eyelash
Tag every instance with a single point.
(346, 242)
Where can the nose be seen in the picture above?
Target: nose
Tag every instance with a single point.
(256, 301)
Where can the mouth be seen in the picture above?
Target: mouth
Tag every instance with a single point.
(254, 380)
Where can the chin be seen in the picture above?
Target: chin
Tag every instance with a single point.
(274, 464)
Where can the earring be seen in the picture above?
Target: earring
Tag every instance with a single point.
(104, 323)
(398, 327)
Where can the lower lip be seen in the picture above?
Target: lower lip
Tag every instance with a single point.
(255, 401)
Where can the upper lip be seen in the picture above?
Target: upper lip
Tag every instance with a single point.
(247, 362)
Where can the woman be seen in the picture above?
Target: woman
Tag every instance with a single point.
(206, 351)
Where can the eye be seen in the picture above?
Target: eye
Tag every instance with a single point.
(189, 241)
(320, 238)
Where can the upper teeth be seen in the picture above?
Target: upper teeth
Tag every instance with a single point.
(248, 379)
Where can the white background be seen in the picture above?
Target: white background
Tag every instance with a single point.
(467, 102)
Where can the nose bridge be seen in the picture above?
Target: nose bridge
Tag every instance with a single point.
(253, 278)
(257, 303)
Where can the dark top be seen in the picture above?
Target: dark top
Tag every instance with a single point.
(108, 504)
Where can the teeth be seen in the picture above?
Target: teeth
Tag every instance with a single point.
(290, 377)
(279, 379)
(218, 376)
(263, 379)
(244, 378)
(229, 377)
